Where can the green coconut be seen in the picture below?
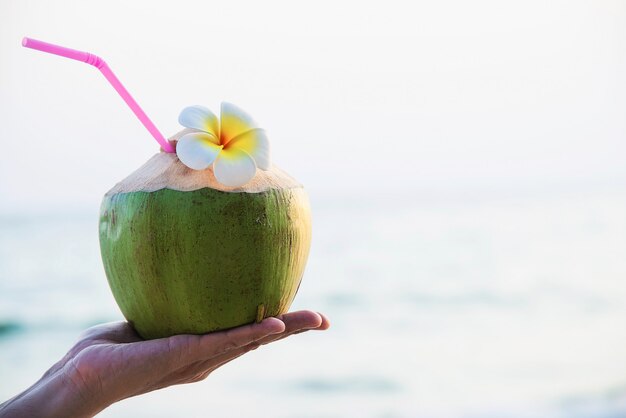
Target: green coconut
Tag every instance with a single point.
(184, 254)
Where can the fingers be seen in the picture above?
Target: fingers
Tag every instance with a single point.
(182, 350)
(301, 319)
(325, 322)
(217, 343)
(298, 322)
(295, 323)
(219, 347)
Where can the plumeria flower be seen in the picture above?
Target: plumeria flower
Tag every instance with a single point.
(234, 144)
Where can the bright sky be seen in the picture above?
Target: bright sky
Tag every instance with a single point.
(426, 96)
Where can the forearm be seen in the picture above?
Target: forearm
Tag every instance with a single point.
(54, 395)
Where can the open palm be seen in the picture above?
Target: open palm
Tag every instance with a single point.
(111, 362)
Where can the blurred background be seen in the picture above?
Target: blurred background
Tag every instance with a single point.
(465, 163)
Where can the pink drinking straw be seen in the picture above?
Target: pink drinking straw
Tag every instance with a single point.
(108, 74)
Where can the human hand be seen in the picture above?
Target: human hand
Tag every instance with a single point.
(111, 362)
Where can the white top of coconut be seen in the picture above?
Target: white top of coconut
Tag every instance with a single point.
(165, 171)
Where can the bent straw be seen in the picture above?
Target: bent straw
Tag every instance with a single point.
(99, 63)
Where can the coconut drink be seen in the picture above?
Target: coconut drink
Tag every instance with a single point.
(202, 240)
(208, 234)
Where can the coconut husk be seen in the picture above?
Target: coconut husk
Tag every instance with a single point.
(165, 171)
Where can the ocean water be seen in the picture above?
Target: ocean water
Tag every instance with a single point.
(479, 307)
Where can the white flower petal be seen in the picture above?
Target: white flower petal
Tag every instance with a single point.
(233, 122)
(256, 144)
(197, 150)
(201, 118)
(234, 167)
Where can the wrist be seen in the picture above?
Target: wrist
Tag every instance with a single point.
(54, 395)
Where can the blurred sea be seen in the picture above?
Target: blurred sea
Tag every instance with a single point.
(481, 307)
